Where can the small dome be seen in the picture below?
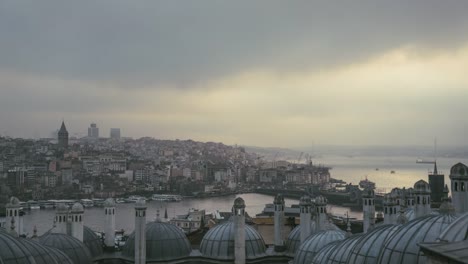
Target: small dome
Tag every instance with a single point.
(396, 193)
(422, 186)
(403, 245)
(72, 247)
(320, 200)
(218, 243)
(62, 208)
(459, 169)
(342, 251)
(77, 208)
(315, 242)
(12, 251)
(140, 203)
(14, 201)
(279, 199)
(368, 247)
(305, 201)
(92, 241)
(109, 202)
(164, 242)
(239, 203)
(293, 242)
(457, 230)
(61, 257)
(368, 193)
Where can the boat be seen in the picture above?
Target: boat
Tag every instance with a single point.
(32, 205)
(98, 202)
(134, 198)
(166, 198)
(87, 203)
(46, 204)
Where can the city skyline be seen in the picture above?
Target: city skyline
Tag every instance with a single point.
(276, 74)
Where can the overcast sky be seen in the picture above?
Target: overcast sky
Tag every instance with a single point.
(264, 73)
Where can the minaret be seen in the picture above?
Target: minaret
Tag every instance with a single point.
(305, 205)
(109, 212)
(76, 221)
(390, 213)
(61, 219)
(422, 193)
(368, 209)
(140, 234)
(278, 222)
(321, 212)
(63, 136)
(459, 185)
(238, 211)
(13, 212)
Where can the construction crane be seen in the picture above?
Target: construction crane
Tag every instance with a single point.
(421, 161)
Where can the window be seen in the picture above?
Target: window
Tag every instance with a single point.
(418, 200)
(455, 186)
(462, 186)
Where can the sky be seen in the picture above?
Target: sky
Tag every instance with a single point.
(261, 73)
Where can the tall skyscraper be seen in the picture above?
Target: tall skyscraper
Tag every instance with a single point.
(93, 131)
(115, 133)
(63, 136)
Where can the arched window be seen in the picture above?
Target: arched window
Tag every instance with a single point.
(386, 210)
(455, 186)
(462, 186)
(113, 211)
(418, 201)
(80, 218)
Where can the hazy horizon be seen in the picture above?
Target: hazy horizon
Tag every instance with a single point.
(263, 73)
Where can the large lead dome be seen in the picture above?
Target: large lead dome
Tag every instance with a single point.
(72, 247)
(218, 243)
(403, 245)
(12, 251)
(314, 243)
(164, 242)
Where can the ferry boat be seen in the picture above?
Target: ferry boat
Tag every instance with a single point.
(46, 204)
(166, 198)
(32, 205)
(87, 203)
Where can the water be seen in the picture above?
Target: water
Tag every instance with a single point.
(350, 169)
(94, 216)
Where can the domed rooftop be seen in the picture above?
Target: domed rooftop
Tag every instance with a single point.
(77, 208)
(61, 257)
(320, 200)
(403, 245)
(92, 241)
(109, 202)
(368, 247)
(13, 202)
(457, 230)
(140, 203)
(12, 251)
(315, 242)
(321, 256)
(293, 242)
(72, 247)
(409, 213)
(239, 203)
(43, 254)
(422, 186)
(218, 243)
(305, 201)
(459, 169)
(279, 199)
(164, 242)
(368, 193)
(342, 251)
(62, 208)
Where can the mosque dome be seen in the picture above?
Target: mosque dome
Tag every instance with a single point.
(109, 202)
(75, 249)
(77, 208)
(218, 243)
(457, 230)
(315, 242)
(368, 193)
(422, 186)
(294, 239)
(305, 201)
(403, 245)
(342, 251)
(409, 213)
(321, 256)
(43, 254)
(61, 257)
(164, 242)
(368, 247)
(92, 241)
(12, 251)
(459, 169)
(14, 201)
(239, 203)
(320, 200)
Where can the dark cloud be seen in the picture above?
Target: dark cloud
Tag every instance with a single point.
(183, 42)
